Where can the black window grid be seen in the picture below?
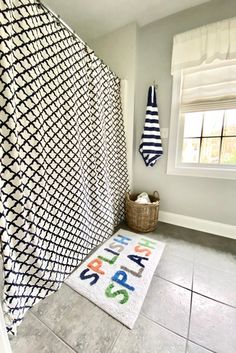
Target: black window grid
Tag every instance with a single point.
(201, 137)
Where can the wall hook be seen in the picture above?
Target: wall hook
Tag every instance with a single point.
(154, 83)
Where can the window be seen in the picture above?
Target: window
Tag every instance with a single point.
(202, 139)
(203, 123)
(209, 137)
(203, 127)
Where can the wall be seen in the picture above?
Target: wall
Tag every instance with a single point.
(210, 199)
(118, 50)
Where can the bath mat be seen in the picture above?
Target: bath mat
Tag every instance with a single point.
(117, 275)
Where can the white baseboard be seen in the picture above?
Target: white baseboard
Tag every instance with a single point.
(203, 225)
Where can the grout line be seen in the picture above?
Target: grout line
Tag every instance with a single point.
(116, 339)
(191, 300)
(161, 325)
(175, 333)
(190, 312)
(195, 292)
(215, 300)
(197, 344)
(176, 284)
(58, 337)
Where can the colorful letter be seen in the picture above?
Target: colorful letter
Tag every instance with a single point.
(116, 246)
(120, 277)
(95, 266)
(146, 251)
(124, 292)
(111, 262)
(122, 239)
(95, 276)
(147, 243)
(112, 251)
(137, 259)
(136, 274)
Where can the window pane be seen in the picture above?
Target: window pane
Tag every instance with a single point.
(228, 150)
(230, 122)
(190, 153)
(193, 124)
(210, 150)
(213, 121)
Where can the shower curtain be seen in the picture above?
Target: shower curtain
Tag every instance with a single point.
(63, 154)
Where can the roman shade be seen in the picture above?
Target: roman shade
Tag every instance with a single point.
(209, 86)
(204, 45)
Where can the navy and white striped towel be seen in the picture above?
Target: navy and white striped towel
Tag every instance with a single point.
(151, 146)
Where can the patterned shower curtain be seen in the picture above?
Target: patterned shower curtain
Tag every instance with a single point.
(63, 156)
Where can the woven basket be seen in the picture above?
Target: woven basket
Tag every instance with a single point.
(142, 217)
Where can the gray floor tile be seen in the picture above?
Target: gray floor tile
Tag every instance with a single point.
(62, 309)
(218, 259)
(215, 284)
(180, 248)
(148, 337)
(196, 238)
(213, 325)
(95, 333)
(212, 241)
(157, 236)
(88, 329)
(168, 305)
(194, 348)
(34, 337)
(78, 322)
(176, 270)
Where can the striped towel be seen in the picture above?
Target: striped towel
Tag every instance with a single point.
(151, 147)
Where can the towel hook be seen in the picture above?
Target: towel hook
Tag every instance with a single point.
(154, 83)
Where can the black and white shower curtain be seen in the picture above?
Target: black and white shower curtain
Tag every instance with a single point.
(63, 155)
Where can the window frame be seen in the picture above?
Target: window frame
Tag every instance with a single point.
(174, 164)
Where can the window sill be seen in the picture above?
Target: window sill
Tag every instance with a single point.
(203, 172)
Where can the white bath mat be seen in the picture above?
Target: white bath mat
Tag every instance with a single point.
(116, 276)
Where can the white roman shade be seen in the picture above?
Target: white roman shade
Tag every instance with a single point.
(204, 80)
(204, 45)
(209, 86)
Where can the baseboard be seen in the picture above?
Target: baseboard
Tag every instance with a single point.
(203, 225)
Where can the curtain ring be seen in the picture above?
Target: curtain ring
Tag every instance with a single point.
(58, 20)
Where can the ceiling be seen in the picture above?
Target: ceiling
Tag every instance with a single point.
(94, 18)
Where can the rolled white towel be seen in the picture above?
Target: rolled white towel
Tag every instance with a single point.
(143, 198)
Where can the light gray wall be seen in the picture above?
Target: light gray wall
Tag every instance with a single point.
(118, 50)
(211, 199)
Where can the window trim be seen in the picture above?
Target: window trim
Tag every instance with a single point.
(174, 166)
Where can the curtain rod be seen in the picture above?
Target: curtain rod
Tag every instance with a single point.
(58, 18)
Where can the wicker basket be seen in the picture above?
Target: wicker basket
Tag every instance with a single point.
(142, 217)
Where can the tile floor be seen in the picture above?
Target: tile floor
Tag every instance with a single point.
(190, 306)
